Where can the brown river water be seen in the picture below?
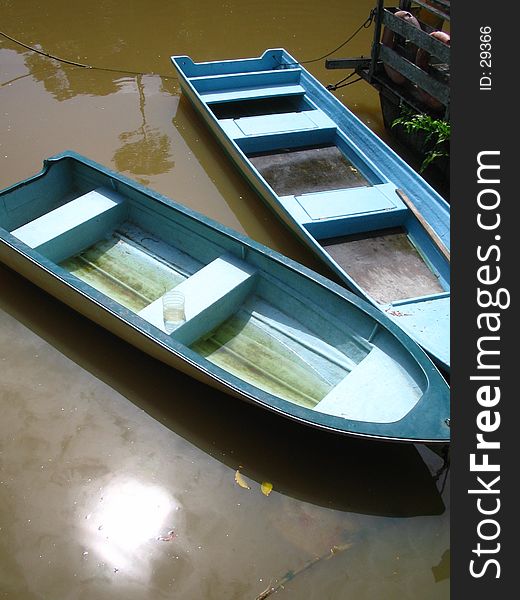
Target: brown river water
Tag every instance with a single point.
(117, 475)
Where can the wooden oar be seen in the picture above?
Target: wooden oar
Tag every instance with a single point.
(435, 238)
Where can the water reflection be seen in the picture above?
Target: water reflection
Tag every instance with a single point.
(125, 516)
(144, 151)
(68, 439)
(66, 82)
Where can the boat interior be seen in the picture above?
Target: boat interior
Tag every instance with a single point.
(340, 199)
(239, 309)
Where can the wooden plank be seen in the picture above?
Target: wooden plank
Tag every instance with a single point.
(347, 63)
(347, 202)
(374, 58)
(444, 14)
(392, 91)
(438, 90)
(276, 123)
(279, 123)
(280, 142)
(435, 238)
(307, 170)
(385, 264)
(417, 36)
(213, 83)
(254, 92)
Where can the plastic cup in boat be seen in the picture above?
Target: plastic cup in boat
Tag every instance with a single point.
(173, 310)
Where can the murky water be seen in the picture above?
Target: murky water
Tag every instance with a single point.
(117, 475)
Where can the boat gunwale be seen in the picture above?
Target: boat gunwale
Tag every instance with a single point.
(236, 385)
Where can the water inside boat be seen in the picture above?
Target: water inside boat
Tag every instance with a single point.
(258, 343)
(275, 352)
(125, 271)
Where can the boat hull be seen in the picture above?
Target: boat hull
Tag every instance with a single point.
(47, 274)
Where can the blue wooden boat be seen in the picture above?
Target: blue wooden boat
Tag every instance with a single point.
(358, 206)
(218, 306)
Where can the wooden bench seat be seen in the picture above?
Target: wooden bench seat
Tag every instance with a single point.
(350, 201)
(74, 226)
(276, 123)
(253, 92)
(237, 81)
(362, 397)
(342, 212)
(211, 295)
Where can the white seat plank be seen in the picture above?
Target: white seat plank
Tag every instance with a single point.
(65, 218)
(252, 93)
(377, 390)
(204, 288)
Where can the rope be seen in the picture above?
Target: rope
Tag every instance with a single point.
(365, 25)
(336, 86)
(81, 65)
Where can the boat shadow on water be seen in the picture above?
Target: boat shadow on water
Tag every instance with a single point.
(313, 466)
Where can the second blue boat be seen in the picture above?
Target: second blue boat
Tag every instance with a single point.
(368, 215)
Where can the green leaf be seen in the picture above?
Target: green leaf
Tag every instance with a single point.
(266, 488)
(241, 481)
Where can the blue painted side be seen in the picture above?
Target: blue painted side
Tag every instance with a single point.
(269, 60)
(240, 81)
(375, 160)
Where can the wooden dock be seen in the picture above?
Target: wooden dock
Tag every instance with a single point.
(408, 65)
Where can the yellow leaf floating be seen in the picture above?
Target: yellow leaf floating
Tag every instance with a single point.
(241, 481)
(266, 488)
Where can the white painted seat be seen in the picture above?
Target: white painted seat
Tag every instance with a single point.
(277, 123)
(67, 217)
(204, 289)
(253, 92)
(377, 390)
(74, 226)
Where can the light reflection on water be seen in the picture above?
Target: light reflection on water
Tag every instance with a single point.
(151, 441)
(125, 516)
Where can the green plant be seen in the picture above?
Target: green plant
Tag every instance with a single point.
(437, 134)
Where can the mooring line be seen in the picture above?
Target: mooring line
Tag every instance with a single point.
(82, 65)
